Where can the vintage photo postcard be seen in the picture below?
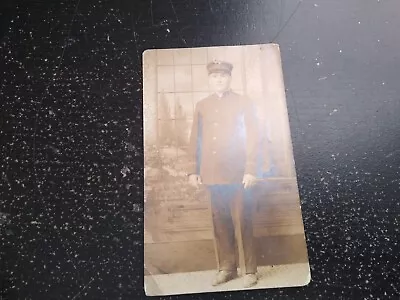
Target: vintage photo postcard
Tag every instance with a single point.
(222, 208)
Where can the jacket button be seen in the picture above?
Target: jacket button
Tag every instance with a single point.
(214, 152)
(214, 138)
(215, 123)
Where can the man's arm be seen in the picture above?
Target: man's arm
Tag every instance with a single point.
(253, 139)
(195, 143)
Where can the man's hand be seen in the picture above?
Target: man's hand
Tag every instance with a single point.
(249, 180)
(195, 180)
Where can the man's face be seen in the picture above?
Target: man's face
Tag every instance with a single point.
(219, 82)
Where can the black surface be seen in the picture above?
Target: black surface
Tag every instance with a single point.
(71, 138)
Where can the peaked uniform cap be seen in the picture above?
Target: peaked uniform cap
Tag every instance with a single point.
(217, 66)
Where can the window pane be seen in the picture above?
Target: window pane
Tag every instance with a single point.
(237, 77)
(166, 106)
(199, 56)
(182, 57)
(182, 129)
(183, 106)
(183, 162)
(234, 55)
(254, 79)
(229, 54)
(165, 79)
(200, 78)
(216, 53)
(165, 57)
(166, 133)
(183, 78)
(152, 160)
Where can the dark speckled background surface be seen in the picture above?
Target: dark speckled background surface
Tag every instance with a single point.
(71, 138)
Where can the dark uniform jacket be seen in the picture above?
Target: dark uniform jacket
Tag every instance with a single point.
(224, 143)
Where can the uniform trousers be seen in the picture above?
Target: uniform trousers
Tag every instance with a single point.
(232, 209)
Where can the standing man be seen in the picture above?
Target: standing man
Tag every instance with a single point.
(224, 147)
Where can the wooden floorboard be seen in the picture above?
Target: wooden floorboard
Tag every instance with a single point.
(191, 256)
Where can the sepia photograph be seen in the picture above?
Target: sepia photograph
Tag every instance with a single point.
(221, 208)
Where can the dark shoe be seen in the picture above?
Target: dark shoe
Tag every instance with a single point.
(223, 276)
(250, 280)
